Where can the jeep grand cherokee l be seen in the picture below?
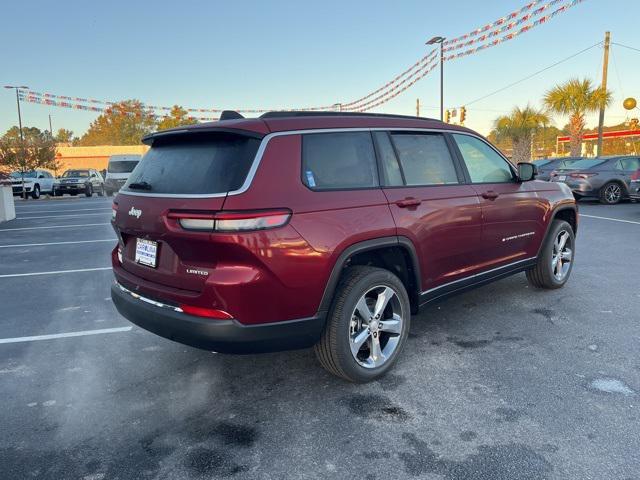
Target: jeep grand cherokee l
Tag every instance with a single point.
(328, 230)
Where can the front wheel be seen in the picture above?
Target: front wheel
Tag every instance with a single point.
(611, 193)
(35, 193)
(555, 261)
(89, 191)
(367, 326)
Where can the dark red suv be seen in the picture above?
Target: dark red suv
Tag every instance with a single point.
(298, 229)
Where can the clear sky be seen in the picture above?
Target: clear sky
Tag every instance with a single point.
(294, 54)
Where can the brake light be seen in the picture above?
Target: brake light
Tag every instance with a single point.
(205, 312)
(582, 175)
(231, 221)
(114, 210)
(636, 175)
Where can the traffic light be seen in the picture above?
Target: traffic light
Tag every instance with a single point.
(463, 114)
(447, 116)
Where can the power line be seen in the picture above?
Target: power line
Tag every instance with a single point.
(626, 46)
(533, 74)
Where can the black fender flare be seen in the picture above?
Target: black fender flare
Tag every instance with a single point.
(359, 247)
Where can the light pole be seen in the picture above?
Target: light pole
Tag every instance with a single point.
(433, 41)
(17, 89)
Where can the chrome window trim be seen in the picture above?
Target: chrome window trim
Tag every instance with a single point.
(265, 141)
(148, 300)
(513, 264)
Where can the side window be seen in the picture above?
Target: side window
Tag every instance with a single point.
(391, 173)
(630, 164)
(425, 159)
(482, 161)
(338, 161)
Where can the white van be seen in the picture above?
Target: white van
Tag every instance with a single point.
(120, 166)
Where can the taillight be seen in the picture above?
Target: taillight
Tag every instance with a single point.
(114, 211)
(231, 221)
(582, 175)
(636, 175)
(205, 312)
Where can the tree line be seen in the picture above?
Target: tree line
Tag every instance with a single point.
(574, 98)
(124, 123)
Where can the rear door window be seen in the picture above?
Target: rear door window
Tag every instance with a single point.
(338, 161)
(197, 164)
(425, 159)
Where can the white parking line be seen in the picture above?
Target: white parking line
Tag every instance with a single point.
(55, 272)
(20, 217)
(608, 218)
(65, 335)
(22, 245)
(52, 226)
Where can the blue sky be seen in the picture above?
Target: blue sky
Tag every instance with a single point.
(295, 54)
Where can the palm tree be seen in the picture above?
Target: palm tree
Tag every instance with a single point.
(519, 127)
(576, 98)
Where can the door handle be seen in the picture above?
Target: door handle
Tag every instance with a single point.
(408, 202)
(490, 195)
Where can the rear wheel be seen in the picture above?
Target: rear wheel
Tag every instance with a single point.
(555, 261)
(89, 191)
(101, 191)
(611, 193)
(367, 325)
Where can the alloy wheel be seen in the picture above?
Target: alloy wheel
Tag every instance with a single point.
(376, 326)
(562, 255)
(612, 193)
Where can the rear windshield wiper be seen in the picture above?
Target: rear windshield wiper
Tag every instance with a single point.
(140, 186)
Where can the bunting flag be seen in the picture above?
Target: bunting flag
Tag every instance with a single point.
(503, 28)
(485, 37)
(512, 35)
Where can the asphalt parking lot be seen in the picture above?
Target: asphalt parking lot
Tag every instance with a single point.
(503, 382)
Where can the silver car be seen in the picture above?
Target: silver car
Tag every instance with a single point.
(606, 178)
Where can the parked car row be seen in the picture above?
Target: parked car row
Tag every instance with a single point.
(610, 179)
(85, 181)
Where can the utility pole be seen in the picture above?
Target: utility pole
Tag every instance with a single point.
(17, 89)
(50, 127)
(605, 67)
(417, 107)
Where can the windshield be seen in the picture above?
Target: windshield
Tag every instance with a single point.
(76, 173)
(125, 166)
(26, 174)
(196, 165)
(582, 164)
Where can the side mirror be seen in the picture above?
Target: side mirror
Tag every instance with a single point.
(527, 171)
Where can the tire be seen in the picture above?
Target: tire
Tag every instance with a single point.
(88, 191)
(547, 274)
(344, 322)
(35, 193)
(101, 192)
(610, 193)
(109, 193)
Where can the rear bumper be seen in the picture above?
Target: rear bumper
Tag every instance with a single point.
(224, 336)
(634, 190)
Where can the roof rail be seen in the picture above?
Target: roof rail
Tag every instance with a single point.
(295, 113)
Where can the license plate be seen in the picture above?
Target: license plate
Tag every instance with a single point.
(146, 252)
(562, 178)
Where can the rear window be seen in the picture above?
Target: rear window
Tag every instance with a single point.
(338, 161)
(582, 164)
(195, 165)
(125, 166)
